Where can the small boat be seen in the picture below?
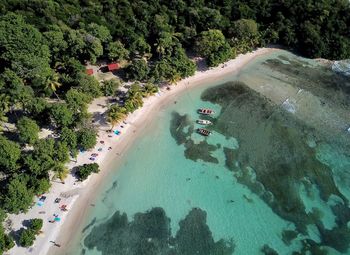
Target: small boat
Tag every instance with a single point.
(203, 131)
(204, 122)
(206, 111)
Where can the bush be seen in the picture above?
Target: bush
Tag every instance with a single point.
(109, 87)
(36, 225)
(27, 238)
(85, 170)
(87, 138)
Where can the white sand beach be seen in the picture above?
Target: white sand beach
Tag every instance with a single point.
(79, 196)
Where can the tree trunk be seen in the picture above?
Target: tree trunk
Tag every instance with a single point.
(59, 99)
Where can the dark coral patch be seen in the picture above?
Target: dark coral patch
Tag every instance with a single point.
(149, 234)
(181, 129)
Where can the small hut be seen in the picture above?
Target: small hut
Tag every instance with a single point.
(113, 66)
(90, 71)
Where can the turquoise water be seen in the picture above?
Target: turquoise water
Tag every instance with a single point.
(269, 180)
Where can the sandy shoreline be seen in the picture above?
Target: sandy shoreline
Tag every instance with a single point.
(79, 196)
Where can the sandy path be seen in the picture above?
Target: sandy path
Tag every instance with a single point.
(82, 195)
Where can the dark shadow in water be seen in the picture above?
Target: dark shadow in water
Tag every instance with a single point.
(149, 234)
(267, 250)
(203, 150)
(113, 187)
(288, 236)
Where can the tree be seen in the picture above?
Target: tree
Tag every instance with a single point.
(61, 115)
(77, 101)
(40, 185)
(244, 35)
(54, 38)
(212, 45)
(41, 159)
(14, 87)
(27, 238)
(61, 171)
(149, 89)
(76, 43)
(36, 107)
(61, 152)
(165, 44)
(93, 48)
(36, 225)
(109, 87)
(4, 103)
(85, 170)
(224, 54)
(69, 137)
(17, 197)
(209, 42)
(52, 84)
(117, 51)
(87, 138)
(100, 32)
(27, 56)
(89, 85)
(10, 153)
(115, 114)
(6, 242)
(28, 130)
(140, 47)
(137, 70)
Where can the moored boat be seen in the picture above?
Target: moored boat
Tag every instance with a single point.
(204, 122)
(203, 131)
(206, 111)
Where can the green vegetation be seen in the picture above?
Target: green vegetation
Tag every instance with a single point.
(213, 46)
(85, 170)
(109, 87)
(6, 242)
(137, 70)
(44, 45)
(27, 130)
(36, 225)
(10, 153)
(86, 138)
(28, 236)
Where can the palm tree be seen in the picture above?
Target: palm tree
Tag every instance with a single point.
(4, 108)
(175, 78)
(61, 171)
(149, 89)
(115, 114)
(53, 84)
(135, 90)
(5, 103)
(165, 42)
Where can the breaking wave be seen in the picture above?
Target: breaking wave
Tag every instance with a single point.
(342, 67)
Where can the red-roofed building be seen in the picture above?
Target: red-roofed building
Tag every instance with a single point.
(113, 66)
(90, 71)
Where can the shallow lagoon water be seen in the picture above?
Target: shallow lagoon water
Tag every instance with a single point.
(270, 180)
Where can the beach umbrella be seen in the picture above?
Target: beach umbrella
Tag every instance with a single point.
(57, 219)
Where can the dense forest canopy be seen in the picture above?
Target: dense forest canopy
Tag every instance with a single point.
(44, 45)
(316, 28)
